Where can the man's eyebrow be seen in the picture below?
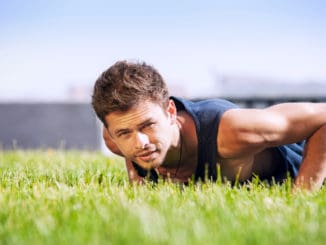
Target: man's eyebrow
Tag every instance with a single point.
(145, 122)
(121, 130)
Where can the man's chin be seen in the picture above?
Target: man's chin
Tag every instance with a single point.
(148, 164)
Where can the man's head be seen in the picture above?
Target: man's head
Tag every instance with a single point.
(132, 101)
(126, 84)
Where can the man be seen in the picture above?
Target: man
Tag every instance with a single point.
(181, 140)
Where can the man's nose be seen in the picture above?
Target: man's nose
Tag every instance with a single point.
(141, 141)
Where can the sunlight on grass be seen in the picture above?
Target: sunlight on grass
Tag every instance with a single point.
(56, 197)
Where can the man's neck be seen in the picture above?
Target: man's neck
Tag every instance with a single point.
(181, 159)
(173, 156)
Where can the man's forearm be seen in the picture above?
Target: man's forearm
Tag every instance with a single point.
(312, 172)
(134, 178)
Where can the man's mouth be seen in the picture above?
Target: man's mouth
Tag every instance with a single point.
(146, 156)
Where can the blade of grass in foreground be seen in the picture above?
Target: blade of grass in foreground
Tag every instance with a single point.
(56, 197)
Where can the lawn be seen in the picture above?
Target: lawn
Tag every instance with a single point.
(79, 197)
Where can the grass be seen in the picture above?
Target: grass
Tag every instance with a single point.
(57, 197)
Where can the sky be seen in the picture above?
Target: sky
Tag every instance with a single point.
(48, 47)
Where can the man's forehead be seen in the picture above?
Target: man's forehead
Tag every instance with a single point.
(135, 115)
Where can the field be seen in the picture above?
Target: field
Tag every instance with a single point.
(57, 197)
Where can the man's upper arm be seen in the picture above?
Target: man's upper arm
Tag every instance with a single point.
(248, 131)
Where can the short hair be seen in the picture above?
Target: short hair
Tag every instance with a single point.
(124, 85)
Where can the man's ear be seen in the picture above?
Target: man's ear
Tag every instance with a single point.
(172, 111)
(109, 143)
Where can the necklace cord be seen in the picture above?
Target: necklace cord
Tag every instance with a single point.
(180, 156)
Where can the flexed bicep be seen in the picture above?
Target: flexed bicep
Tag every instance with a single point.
(248, 131)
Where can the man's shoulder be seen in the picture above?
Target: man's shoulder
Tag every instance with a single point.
(200, 105)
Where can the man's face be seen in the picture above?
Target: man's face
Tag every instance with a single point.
(144, 133)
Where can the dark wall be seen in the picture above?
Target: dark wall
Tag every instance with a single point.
(48, 125)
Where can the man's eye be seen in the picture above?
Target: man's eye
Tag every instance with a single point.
(123, 134)
(149, 125)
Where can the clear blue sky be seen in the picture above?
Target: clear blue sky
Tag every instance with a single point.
(48, 46)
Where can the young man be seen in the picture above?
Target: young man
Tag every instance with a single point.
(178, 139)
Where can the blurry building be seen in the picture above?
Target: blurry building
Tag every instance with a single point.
(260, 92)
(48, 125)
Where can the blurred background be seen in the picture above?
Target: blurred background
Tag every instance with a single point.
(51, 52)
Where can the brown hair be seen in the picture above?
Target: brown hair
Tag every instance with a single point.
(125, 84)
